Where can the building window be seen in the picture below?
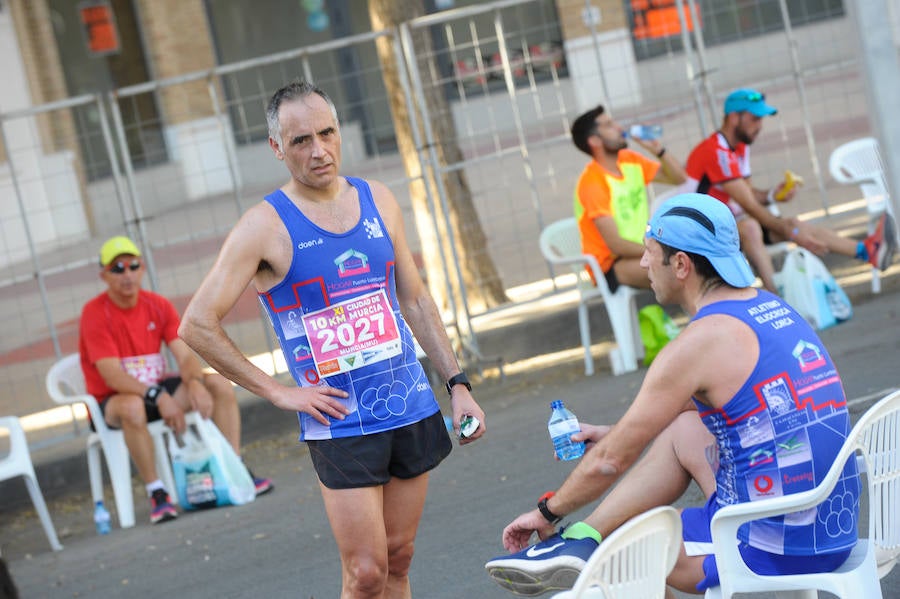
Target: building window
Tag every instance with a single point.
(656, 28)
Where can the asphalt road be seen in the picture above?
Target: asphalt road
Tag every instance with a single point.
(281, 546)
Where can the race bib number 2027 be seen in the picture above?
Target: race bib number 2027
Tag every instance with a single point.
(352, 333)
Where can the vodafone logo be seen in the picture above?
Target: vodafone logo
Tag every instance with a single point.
(311, 376)
(763, 483)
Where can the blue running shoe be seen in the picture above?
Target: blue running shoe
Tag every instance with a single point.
(549, 565)
(262, 485)
(161, 508)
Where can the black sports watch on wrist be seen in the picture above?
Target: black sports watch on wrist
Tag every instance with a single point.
(458, 379)
(545, 511)
(152, 393)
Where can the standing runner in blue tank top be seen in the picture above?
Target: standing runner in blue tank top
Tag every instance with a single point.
(328, 257)
(328, 268)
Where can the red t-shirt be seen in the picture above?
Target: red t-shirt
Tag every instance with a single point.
(133, 335)
(714, 162)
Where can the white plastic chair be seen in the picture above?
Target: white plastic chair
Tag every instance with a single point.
(65, 385)
(634, 561)
(858, 162)
(877, 437)
(18, 463)
(561, 245)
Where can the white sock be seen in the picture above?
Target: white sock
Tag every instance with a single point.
(157, 484)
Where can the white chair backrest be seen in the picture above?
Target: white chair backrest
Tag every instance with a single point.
(856, 161)
(560, 243)
(877, 437)
(561, 240)
(65, 381)
(634, 561)
(18, 460)
(18, 463)
(876, 440)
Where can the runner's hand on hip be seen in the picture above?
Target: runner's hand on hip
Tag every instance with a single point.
(316, 401)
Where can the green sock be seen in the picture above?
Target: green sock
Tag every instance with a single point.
(581, 530)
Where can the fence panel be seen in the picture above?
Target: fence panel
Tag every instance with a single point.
(182, 173)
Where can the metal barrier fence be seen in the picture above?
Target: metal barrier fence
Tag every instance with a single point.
(178, 180)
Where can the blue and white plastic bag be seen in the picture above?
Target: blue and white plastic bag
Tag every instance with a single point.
(208, 473)
(806, 284)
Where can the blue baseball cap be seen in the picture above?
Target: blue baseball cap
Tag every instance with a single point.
(701, 224)
(748, 100)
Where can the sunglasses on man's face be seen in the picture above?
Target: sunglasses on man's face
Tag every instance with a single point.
(119, 267)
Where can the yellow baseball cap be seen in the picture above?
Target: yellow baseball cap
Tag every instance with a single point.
(115, 247)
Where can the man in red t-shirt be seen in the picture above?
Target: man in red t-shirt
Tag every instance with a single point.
(120, 340)
(720, 166)
(611, 195)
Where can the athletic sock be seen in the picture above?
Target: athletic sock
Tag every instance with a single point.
(157, 484)
(581, 530)
(861, 252)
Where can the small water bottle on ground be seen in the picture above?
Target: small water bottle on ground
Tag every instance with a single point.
(645, 132)
(561, 426)
(101, 518)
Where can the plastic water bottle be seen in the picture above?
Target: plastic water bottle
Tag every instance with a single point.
(561, 426)
(101, 518)
(647, 132)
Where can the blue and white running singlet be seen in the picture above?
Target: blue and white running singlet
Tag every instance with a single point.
(338, 321)
(781, 432)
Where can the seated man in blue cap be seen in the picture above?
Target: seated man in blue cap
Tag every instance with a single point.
(722, 393)
(120, 339)
(720, 166)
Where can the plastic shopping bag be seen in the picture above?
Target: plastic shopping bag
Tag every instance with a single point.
(806, 285)
(657, 329)
(208, 473)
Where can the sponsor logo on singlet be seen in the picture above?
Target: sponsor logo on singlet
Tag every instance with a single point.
(373, 228)
(310, 243)
(352, 263)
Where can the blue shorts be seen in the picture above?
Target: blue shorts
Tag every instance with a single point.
(697, 537)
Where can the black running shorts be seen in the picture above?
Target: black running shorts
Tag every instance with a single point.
(612, 281)
(150, 408)
(371, 460)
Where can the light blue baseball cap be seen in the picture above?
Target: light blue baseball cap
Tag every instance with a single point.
(701, 224)
(748, 100)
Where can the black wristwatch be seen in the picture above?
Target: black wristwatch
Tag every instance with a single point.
(545, 511)
(152, 393)
(458, 379)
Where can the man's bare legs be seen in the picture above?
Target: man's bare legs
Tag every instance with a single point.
(629, 272)
(126, 412)
(754, 248)
(375, 530)
(834, 242)
(678, 456)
